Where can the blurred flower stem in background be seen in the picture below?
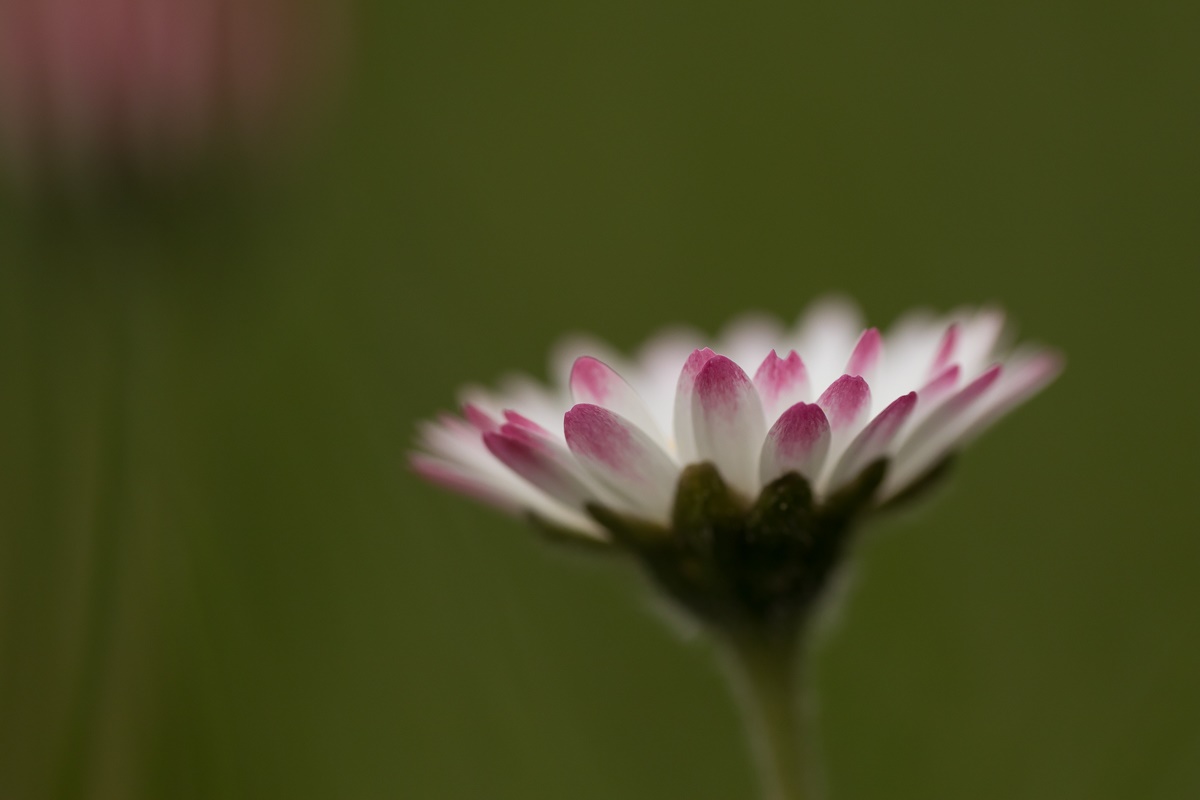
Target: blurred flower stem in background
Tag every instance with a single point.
(117, 332)
(130, 131)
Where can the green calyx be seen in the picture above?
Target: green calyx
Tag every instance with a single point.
(747, 566)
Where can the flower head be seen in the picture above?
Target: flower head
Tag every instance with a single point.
(824, 400)
(735, 467)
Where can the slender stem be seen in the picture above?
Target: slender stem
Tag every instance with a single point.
(767, 677)
(109, 540)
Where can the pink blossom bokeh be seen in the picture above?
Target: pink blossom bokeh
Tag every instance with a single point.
(149, 85)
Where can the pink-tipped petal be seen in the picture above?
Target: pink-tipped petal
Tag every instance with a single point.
(461, 481)
(534, 437)
(479, 418)
(940, 430)
(944, 355)
(685, 387)
(506, 492)
(797, 442)
(453, 439)
(980, 339)
(781, 383)
(825, 336)
(1022, 379)
(594, 382)
(873, 441)
(865, 357)
(941, 383)
(727, 416)
(940, 386)
(623, 458)
(972, 391)
(535, 462)
(520, 421)
(846, 402)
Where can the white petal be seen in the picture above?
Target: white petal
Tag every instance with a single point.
(748, 338)
(781, 383)
(939, 433)
(873, 441)
(460, 460)
(623, 458)
(1025, 375)
(537, 463)
(826, 334)
(847, 405)
(728, 420)
(865, 357)
(685, 388)
(980, 339)
(594, 382)
(797, 442)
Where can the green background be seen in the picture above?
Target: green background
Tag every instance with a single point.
(218, 578)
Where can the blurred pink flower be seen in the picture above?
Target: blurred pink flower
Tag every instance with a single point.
(145, 84)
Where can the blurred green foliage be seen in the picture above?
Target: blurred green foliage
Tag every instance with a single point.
(218, 579)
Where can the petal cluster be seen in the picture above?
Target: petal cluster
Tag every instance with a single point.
(824, 399)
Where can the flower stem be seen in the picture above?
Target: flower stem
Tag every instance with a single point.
(766, 676)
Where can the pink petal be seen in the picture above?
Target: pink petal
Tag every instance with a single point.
(939, 431)
(685, 439)
(940, 386)
(865, 356)
(845, 401)
(945, 350)
(874, 439)
(511, 494)
(534, 437)
(450, 476)
(781, 383)
(536, 463)
(797, 442)
(479, 418)
(1023, 378)
(729, 424)
(594, 382)
(971, 392)
(513, 418)
(979, 339)
(622, 457)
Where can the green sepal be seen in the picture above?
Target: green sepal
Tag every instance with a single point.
(749, 568)
(705, 507)
(784, 510)
(769, 545)
(705, 511)
(929, 481)
(769, 563)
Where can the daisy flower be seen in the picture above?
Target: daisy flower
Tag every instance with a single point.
(736, 469)
(825, 400)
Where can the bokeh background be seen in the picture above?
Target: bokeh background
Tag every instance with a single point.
(219, 580)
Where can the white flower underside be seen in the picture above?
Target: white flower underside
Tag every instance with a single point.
(824, 399)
